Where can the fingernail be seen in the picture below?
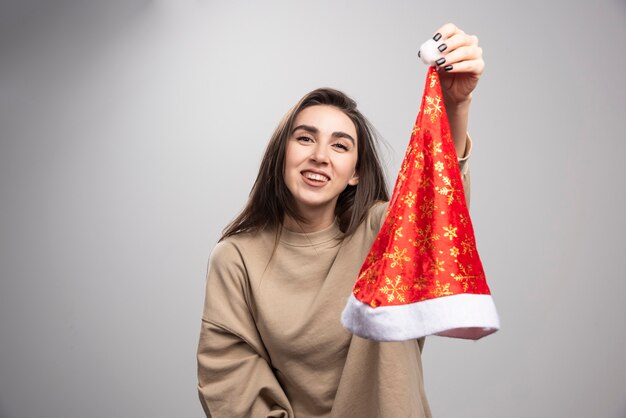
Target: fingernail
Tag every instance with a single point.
(437, 37)
(442, 47)
(419, 54)
(447, 67)
(440, 61)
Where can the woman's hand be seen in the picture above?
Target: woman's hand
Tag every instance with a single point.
(460, 67)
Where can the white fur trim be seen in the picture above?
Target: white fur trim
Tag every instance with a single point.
(467, 316)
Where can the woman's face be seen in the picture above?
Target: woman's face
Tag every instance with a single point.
(320, 158)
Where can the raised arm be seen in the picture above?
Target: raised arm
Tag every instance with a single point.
(235, 378)
(460, 69)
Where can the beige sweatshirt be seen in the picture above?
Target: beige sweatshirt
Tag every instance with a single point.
(272, 345)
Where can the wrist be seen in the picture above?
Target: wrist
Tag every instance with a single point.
(458, 107)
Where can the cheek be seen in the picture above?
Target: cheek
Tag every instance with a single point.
(291, 163)
(292, 155)
(350, 167)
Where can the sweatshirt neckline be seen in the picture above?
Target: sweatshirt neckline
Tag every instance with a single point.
(302, 239)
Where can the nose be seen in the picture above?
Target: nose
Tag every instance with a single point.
(320, 154)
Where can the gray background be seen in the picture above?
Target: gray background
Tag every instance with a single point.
(131, 132)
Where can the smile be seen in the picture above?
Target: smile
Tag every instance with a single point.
(315, 176)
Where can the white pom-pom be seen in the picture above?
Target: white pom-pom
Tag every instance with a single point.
(429, 52)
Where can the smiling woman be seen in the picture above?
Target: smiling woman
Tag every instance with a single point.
(320, 162)
(271, 342)
(324, 134)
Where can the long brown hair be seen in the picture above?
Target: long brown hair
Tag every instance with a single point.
(270, 199)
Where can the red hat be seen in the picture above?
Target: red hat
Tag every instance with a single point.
(423, 275)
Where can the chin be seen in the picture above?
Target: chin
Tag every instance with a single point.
(314, 203)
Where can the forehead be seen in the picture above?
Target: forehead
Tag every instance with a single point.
(327, 119)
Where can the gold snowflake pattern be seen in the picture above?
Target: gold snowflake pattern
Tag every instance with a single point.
(398, 257)
(397, 233)
(409, 199)
(428, 208)
(425, 239)
(463, 219)
(468, 245)
(425, 183)
(405, 167)
(450, 231)
(454, 252)
(420, 282)
(441, 290)
(437, 266)
(433, 80)
(419, 160)
(439, 166)
(434, 148)
(433, 107)
(465, 277)
(394, 290)
(402, 177)
(412, 217)
(450, 161)
(447, 190)
(369, 276)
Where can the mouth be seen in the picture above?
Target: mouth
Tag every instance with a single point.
(315, 177)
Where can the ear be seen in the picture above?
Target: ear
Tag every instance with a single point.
(354, 180)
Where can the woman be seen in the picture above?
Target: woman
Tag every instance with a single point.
(271, 343)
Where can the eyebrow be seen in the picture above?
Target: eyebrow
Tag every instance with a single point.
(314, 130)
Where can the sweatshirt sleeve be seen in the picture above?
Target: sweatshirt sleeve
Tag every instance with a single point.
(235, 378)
(464, 167)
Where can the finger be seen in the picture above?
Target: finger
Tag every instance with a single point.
(472, 67)
(457, 41)
(446, 31)
(463, 53)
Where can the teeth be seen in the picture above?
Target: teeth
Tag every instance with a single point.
(315, 176)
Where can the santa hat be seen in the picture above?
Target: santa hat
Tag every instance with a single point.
(423, 275)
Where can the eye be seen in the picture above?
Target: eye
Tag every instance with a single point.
(341, 146)
(304, 139)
